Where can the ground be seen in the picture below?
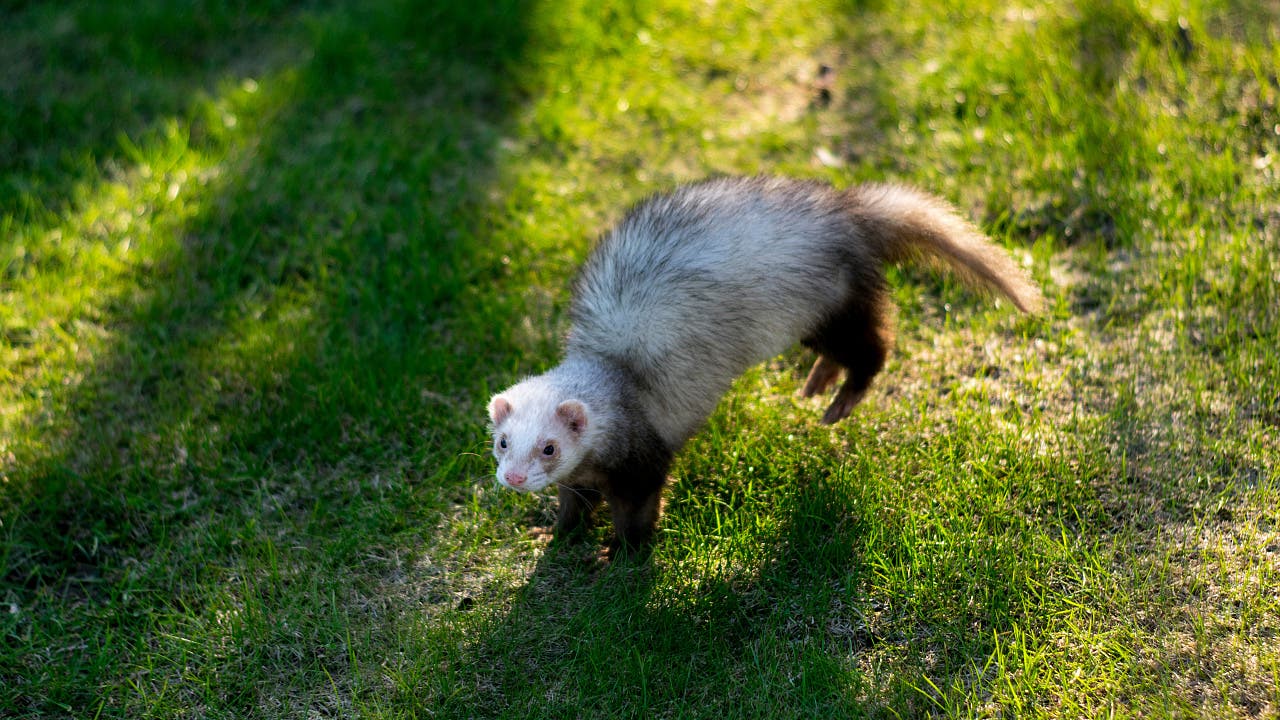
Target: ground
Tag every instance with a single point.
(262, 265)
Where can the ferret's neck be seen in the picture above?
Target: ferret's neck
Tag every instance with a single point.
(592, 378)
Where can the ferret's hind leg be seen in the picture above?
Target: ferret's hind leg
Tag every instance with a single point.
(821, 377)
(858, 339)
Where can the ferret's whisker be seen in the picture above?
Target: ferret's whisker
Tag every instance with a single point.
(572, 489)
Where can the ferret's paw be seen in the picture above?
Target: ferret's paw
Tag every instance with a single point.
(846, 400)
(541, 533)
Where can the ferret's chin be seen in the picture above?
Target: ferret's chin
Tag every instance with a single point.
(534, 487)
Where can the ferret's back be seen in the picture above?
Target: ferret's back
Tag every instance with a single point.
(694, 286)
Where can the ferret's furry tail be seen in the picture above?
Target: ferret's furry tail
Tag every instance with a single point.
(907, 223)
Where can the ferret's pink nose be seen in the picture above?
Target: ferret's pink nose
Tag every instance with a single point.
(513, 478)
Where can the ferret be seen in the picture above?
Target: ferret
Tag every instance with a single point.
(692, 288)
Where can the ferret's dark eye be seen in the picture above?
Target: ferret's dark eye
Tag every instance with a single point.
(502, 443)
(549, 450)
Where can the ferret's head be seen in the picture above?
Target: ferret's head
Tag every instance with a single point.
(539, 438)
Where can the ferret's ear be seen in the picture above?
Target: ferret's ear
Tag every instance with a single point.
(499, 409)
(574, 415)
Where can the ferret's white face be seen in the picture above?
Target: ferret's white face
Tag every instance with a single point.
(537, 440)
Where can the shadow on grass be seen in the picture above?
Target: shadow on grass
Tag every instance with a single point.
(220, 467)
(78, 77)
(635, 638)
(792, 628)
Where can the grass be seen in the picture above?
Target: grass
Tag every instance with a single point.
(261, 264)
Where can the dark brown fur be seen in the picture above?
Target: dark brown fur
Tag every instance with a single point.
(856, 340)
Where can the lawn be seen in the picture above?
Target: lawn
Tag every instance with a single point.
(263, 263)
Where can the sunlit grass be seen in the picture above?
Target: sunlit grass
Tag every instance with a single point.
(260, 268)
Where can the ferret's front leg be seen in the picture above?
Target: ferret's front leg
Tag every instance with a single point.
(577, 506)
(635, 518)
